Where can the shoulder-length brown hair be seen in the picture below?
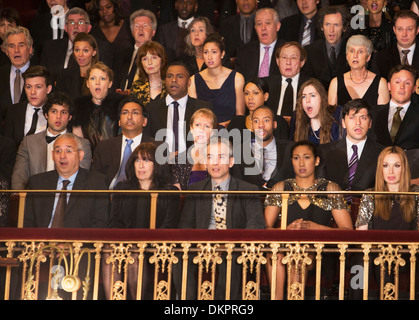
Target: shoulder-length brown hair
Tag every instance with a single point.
(302, 121)
(151, 47)
(383, 203)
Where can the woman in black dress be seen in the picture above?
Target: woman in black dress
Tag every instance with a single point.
(305, 212)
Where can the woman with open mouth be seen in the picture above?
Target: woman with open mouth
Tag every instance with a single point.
(305, 211)
(358, 82)
(314, 119)
(149, 82)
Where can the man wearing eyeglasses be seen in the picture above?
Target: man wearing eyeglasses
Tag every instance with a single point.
(110, 155)
(56, 55)
(71, 210)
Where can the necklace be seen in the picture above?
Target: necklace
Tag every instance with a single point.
(314, 132)
(155, 87)
(366, 75)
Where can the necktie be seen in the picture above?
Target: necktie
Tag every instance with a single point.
(17, 91)
(184, 24)
(288, 102)
(404, 58)
(34, 121)
(68, 55)
(176, 124)
(50, 139)
(57, 221)
(264, 67)
(306, 34)
(125, 157)
(220, 209)
(333, 56)
(353, 163)
(245, 30)
(396, 123)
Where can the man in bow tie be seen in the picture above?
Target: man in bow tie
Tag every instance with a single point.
(34, 153)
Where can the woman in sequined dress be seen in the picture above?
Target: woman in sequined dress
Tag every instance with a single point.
(305, 212)
(390, 212)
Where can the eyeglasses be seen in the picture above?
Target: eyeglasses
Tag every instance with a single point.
(66, 151)
(80, 23)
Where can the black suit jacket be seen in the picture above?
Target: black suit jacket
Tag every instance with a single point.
(107, 156)
(122, 64)
(283, 170)
(172, 38)
(5, 96)
(334, 164)
(157, 115)
(244, 211)
(275, 86)
(247, 60)
(318, 64)
(292, 27)
(408, 135)
(230, 30)
(84, 210)
(384, 60)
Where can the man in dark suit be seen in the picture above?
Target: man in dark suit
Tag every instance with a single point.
(264, 160)
(80, 210)
(283, 88)
(396, 123)
(35, 152)
(257, 58)
(108, 157)
(18, 47)
(406, 29)
(302, 26)
(218, 211)
(57, 54)
(172, 35)
(162, 112)
(26, 118)
(326, 58)
(336, 156)
(238, 29)
(143, 24)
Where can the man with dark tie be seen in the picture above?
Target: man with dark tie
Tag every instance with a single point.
(406, 28)
(26, 118)
(238, 29)
(174, 111)
(67, 210)
(283, 88)
(110, 155)
(396, 123)
(265, 160)
(302, 26)
(351, 162)
(35, 152)
(143, 24)
(220, 211)
(326, 58)
(172, 35)
(18, 47)
(257, 58)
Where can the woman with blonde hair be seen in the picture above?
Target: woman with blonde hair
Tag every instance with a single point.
(390, 212)
(314, 119)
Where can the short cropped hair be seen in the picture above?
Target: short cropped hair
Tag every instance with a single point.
(143, 13)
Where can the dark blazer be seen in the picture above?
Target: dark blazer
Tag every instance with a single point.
(408, 135)
(5, 96)
(384, 60)
(334, 164)
(275, 85)
(172, 38)
(293, 26)
(157, 115)
(284, 169)
(318, 64)
(230, 30)
(107, 156)
(247, 60)
(7, 157)
(243, 211)
(122, 63)
(133, 210)
(83, 210)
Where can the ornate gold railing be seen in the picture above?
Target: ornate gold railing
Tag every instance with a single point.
(138, 264)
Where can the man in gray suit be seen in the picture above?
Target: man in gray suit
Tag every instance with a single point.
(34, 153)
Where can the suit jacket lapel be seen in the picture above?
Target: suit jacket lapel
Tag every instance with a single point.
(406, 120)
(230, 202)
(78, 185)
(205, 206)
(42, 148)
(163, 113)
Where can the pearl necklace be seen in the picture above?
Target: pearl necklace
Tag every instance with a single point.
(350, 75)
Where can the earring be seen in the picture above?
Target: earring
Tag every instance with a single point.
(384, 9)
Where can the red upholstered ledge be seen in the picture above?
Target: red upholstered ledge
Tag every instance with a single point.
(176, 235)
